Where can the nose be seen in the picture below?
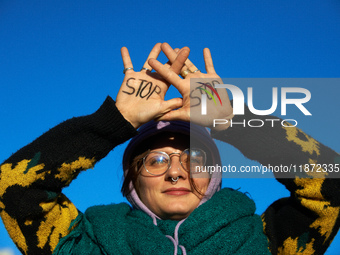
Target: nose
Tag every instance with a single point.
(176, 169)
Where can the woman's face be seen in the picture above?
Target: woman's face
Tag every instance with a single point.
(164, 197)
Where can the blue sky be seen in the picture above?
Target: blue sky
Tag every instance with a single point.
(60, 59)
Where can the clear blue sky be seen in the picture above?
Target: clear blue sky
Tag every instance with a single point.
(60, 59)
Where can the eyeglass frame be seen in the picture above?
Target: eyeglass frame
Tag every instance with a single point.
(169, 156)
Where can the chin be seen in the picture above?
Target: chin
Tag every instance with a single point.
(178, 211)
(177, 216)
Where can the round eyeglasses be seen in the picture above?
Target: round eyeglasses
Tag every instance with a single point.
(158, 162)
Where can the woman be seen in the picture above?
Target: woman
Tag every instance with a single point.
(173, 213)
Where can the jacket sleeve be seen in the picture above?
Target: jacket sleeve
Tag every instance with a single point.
(308, 220)
(34, 211)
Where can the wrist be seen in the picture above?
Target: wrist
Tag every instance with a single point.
(127, 116)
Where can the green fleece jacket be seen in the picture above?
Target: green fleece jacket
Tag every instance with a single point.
(225, 224)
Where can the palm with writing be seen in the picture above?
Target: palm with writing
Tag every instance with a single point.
(141, 96)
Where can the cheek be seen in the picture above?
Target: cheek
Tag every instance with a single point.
(147, 186)
(141, 184)
(202, 184)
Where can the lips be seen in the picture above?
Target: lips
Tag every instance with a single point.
(177, 191)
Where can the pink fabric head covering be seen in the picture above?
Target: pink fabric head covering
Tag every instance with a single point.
(196, 132)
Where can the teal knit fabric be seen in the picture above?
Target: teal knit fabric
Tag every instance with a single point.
(226, 224)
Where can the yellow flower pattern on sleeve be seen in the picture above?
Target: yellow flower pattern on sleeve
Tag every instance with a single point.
(56, 214)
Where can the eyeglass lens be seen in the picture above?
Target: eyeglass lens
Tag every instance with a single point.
(157, 162)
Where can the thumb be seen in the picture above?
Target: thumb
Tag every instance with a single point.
(169, 105)
(179, 114)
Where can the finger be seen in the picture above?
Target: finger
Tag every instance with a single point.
(179, 114)
(192, 68)
(171, 104)
(188, 64)
(172, 54)
(209, 66)
(126, 59)
(182, 56)
(167, 64)
(169, 52)
(154, 53)
(169, 75)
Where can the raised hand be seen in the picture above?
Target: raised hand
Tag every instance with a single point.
(192, 87)
(141, 95)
